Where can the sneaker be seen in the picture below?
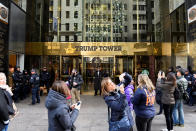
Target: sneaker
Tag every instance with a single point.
(175, 125)
(164, 130)
(171, 130)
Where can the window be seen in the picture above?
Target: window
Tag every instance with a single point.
(152, 4)
(152, 16)
(76, 3)
(87, 29)
(75, 38)
(76, 14)
(66, 38)
(67, 2)
(142, 26)
(141, 7)
(135, 26)
(134, 17)
(125, 6)
(67, 26)
(75, 26)
(109, 6)
(126, 29)
(87, 6)
(142, 17)
(125, 17)
(67, 14)
(134, 7)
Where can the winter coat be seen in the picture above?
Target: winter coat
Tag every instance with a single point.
(182, 85)
(4, 114)
(167, 89)
(97, 80)
(143, 103)
(118, 104)
(59, 116)
(129, 95)
(78, 79)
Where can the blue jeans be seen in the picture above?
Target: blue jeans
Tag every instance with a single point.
(178, 113)
(6, 128)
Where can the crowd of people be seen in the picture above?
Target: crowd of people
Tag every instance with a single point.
(124, 100)
(172, 90)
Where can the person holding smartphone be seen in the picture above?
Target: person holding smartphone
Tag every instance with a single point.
(61, 116)
(167, 86)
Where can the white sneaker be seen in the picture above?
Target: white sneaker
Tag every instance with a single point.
(164, 130)
(171, 130)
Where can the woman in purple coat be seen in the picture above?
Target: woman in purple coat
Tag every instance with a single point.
(126, 80)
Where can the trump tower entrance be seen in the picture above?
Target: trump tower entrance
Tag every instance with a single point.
(112, 59)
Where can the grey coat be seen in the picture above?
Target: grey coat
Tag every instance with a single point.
(167, 89)
(59, 116)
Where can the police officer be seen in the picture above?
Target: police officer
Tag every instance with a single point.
(45, 79)
(26, 78)
(35, 81)
(18, 84)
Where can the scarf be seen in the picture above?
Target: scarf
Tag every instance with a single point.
(7, 88)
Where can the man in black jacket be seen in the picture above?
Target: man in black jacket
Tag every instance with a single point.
(97, 81)
(4, 115)
(45, 79)
(75, 83)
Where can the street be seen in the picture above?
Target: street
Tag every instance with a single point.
(92, 117)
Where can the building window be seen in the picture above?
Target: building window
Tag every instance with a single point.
(67, 14)
(67, 38)
(67, 2)
(134, 17)
(87, 29)
(125, 6)
(125, 17)
(87, 39)
(142, 17)
(152, 16)
(109, 39)
(76, 3)
(134, 7)
(87, 6)
(126, 29)
(109, 6)
(76, 14)
(142, 7)
(75, 38)
(142, 26)
(67, 26)
(134, 26)
(75, 26)
(152, 4)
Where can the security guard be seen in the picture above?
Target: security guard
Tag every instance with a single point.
(26, 78)
(45, 79)
(35, 81)
(18, 84)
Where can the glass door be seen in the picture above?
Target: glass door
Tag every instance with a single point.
(90, 66)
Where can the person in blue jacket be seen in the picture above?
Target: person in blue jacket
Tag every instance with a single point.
(120, 118)
(61, 116)
(143, 103)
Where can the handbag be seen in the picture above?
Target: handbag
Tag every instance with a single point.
(185, 95)
(121, 125)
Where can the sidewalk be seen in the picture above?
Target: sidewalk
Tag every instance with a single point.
(93, 117)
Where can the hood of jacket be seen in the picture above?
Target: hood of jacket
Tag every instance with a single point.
(54, 100)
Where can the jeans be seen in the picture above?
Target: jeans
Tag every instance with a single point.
(178, 113)
(6, 128)
(168, 110)
(35, 95)
(143, 124)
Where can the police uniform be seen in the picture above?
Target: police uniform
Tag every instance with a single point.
(45, 79)
(26, 78)
(18, 85)
(35, 81)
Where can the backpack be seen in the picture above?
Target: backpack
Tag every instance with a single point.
(178, 94)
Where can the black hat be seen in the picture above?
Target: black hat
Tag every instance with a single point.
(128, 79)
(17, 67)
(178, 67)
